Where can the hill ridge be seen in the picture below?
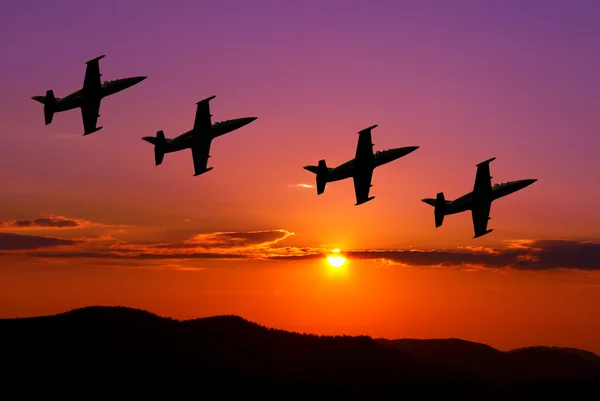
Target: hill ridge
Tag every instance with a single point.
(103, 342)
(233, 317)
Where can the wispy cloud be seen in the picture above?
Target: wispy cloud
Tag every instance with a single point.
(239, 239)
(18, 242)
(217, 245)
(51, 221)
(301, 185)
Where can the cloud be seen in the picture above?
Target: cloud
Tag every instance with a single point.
(218, 245)
(221, 242)
(140, 255)
(50, 221)
(266, 245)
(18, 242)
(519, 254)
(557, 254)
(301, 186)
(238, 239)
(43, 222)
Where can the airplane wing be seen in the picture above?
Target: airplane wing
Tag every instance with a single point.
(482, 200)
(480, 214)
(362, 186)
(483, 178)
(92, 82)
(200, 155)
(202, 137)
(364, 149)
(89, 115)
(363, 172)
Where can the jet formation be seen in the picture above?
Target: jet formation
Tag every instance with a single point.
(199, 140)
(360, 168)
(88, 98)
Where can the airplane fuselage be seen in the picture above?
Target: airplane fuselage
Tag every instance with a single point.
(465, 202)
(77, 98)
(349, 168)
(184, 141)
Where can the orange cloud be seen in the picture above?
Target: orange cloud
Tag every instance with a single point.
(51, 221)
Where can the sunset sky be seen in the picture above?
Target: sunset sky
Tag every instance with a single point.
(90, 220)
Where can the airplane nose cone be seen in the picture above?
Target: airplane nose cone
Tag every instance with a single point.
(406, 150)
(137, 80)
(531, 181)
(247, 120)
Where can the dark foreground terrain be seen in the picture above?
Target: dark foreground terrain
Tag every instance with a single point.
(122, 351)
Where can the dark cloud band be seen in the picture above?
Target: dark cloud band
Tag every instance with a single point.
(18, 242)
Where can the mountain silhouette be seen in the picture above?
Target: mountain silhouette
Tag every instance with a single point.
(520, 365)
(122, 349)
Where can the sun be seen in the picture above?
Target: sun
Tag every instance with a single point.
(335, 259)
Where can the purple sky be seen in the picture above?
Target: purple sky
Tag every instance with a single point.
(465, 80)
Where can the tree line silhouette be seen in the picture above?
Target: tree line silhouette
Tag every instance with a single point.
(118, 347)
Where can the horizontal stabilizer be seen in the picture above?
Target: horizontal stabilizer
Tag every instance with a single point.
(203, 171)
(486, 161)
(367, 129)
(483, 233)
(207, 99)
(95, 59)
(40, 99)
(312, 169)
(92, 131)
(365, 201)
(440, 209)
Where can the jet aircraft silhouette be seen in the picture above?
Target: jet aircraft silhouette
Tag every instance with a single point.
(87, 98)
(360, 168)
(479, 201)
(199, 138)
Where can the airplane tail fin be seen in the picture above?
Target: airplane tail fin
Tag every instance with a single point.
(322, 173)
(159, 147)
(440, 209)
(49, 106)
(159, 141)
